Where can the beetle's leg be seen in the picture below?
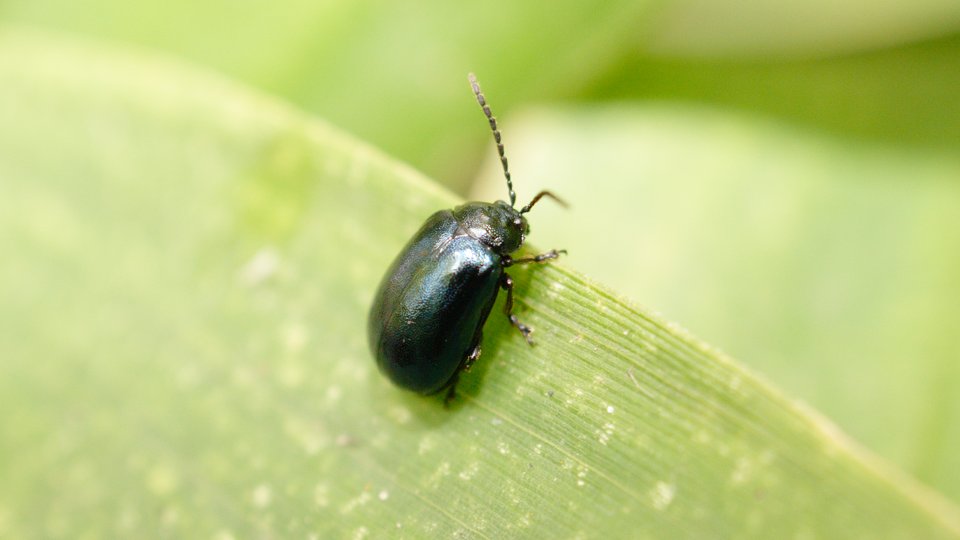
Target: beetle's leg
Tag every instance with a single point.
(472, 357)
(465, 366)
(507, 283)
(451, 390)
(543, 257)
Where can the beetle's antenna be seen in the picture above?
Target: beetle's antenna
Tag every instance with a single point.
(541, 195)
(496, 134)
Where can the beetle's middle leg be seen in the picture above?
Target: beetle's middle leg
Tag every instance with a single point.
(506, 282)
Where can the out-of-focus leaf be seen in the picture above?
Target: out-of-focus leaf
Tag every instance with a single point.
(903, 95)
(391, 73)
(394, 73)
(760, 28)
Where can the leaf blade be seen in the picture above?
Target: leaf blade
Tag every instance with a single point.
(183, 360)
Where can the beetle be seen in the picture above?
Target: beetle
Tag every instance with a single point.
(426, 322)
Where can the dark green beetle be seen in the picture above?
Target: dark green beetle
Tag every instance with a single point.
(426, 322)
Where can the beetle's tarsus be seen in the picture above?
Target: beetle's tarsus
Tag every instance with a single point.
(524, 329)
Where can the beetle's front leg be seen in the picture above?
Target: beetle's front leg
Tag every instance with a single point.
(506, 282)
(543, 257)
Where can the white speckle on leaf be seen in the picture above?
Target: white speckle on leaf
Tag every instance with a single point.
(610, 409)
(224, 535)
(442, 471)
(261, 267)
(383, 495)
(496, 421)
(603, 435)
(525, 521)
(359, 500)
(470, 471)
(503, 448)
(361, 533)
(662, 495)
(262, 495)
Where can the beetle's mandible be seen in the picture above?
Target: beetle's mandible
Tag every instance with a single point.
(426, 322)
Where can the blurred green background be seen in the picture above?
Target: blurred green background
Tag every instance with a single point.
(782, 178)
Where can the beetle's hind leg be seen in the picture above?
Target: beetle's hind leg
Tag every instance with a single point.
(472, 357)
(451, 390)
(507, 283)
(465, 366)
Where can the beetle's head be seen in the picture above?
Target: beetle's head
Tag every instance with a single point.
(497, 225)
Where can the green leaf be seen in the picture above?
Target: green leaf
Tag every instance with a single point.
(821, 262)
(187, 272)
(392, 73)
(801, 28)
(901, 95)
